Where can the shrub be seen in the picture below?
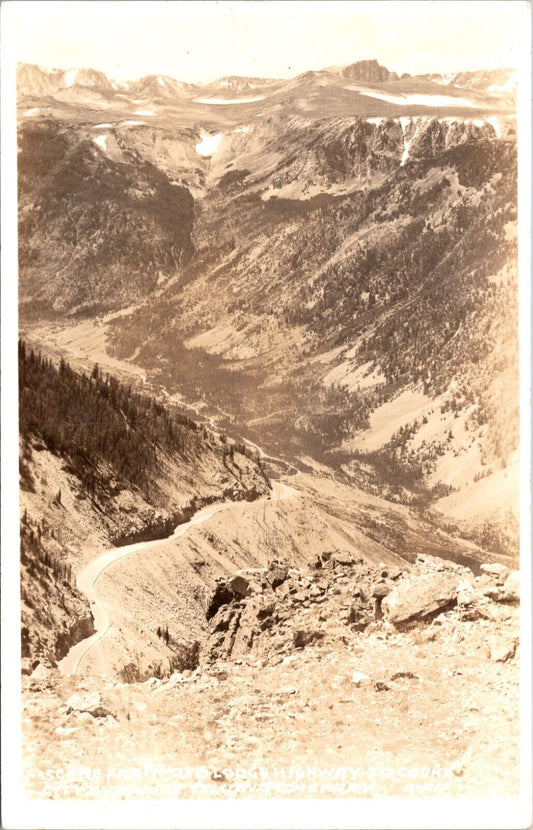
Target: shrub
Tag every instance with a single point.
(131, 673)
(187, 657)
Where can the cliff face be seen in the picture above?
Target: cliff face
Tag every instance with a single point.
(54, 614)
(369, 70)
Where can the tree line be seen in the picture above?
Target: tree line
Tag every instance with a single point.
(96, 418)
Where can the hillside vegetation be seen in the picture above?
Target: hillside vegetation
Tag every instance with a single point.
(100, 464)
(96, 228)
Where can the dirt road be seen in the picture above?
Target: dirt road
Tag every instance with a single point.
(87, 579)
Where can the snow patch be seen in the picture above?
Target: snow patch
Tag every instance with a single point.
(32, 111)
(496, 125)
(101, 141)
(208, 144)
(508, 86)
(376, 121)
(418, 100)
(160, 81)
(443, 80)
(102, 126)
(229, 100)
(405, 122)
(70, 77)
(132, 123)
(241, 130)
(143, 112)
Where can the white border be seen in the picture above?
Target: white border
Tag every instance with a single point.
(19, 812)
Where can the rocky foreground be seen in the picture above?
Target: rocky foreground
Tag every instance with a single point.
(342, 679)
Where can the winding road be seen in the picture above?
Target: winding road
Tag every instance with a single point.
(87, 579)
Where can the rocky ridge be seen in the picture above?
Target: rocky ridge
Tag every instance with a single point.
(330, 679)
(270, 612)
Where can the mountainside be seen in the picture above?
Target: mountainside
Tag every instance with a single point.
(393, 274)
(97, 225)
(328, 262)
(34, 80)
(102, 464)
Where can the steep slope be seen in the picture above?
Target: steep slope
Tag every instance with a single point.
(99, 465)
(97, 224)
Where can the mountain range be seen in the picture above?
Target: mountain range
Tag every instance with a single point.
(326, 264)
(35, 80)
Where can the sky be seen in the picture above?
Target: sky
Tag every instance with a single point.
(199, 41)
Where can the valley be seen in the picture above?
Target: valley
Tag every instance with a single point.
(269, 433)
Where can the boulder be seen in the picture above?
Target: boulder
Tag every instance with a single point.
(511, 588)
(340, 558)
(240, 585)
(498, 572)
(465, 594)
(40, 672)
(265, 609)
(277, 577)
(380, 590)
(420, 597)
(358, 615)
(301, 638)
(90, 702)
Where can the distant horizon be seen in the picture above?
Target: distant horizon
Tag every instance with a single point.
(258, 77)
(198, 42)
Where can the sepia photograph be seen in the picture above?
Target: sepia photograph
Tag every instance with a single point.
(266, 556)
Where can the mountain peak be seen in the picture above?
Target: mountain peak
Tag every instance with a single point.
(368, 70)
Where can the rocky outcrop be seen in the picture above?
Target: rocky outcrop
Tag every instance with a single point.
(342, 597)
(90, 702)
(78, 631)
(370, 71)
(275, 610)
(420, 597)
(33, 80)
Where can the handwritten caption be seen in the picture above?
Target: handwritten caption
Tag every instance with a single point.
(203, 781)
